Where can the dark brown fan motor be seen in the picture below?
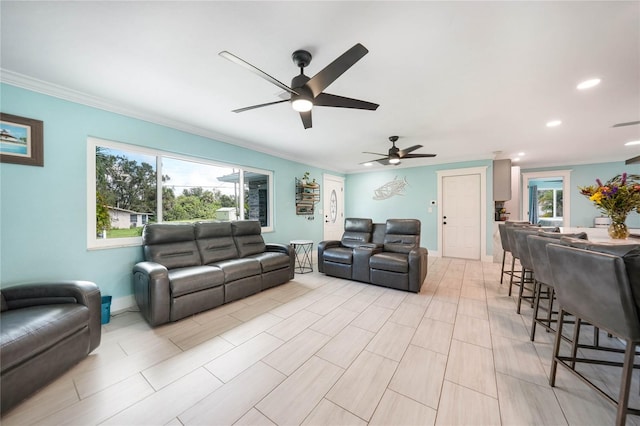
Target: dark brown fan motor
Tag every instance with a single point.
(396, 154)
(308, 92)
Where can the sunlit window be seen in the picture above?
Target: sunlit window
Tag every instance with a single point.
(130, 186)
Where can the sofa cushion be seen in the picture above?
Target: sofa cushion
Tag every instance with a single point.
(171, 245)
(163, 233)
(215, 241)
(235, 269)
(248, 238)
(356, 232)
(402, 235)
(342, 255)
(388, 261)
(272, 261)
(27, 332)
(195, 278)
(173, 255)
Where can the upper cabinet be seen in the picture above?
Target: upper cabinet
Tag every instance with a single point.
(501, 180)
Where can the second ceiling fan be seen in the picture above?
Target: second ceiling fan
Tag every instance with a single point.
(396, 154)
(308, 92)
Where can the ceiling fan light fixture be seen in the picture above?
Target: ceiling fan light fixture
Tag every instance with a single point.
(588, 84)
(302, 105)
(394, 160)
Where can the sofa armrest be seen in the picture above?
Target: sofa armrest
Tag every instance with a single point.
(280, 248)
(360, 267)
(418, 259)
(52, 292)
(286, 249)
(152, 292)
(322, 246)
(372, 246)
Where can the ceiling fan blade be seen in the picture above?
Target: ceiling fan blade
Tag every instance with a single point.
(325, 99)
(371, 161)
(259, 106)
(233, 58)
(335, 69)
(630, 123)
(383, 161)
(404, 152)
(374, 153)
(418, 156)
(306, 119)
(633, 160)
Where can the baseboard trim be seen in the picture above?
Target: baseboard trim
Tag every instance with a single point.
(121, 304)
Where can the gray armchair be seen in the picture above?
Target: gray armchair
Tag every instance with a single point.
(45, 329)
(336, 258)
(402, 263)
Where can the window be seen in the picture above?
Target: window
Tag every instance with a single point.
(130, 186)
(550, 203)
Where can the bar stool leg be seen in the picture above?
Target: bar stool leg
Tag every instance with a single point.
(513, 265)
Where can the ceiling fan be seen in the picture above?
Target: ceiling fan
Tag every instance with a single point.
(636, 159)
(396, 154)
(308, 92)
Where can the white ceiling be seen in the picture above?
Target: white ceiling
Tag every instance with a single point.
(464, 79)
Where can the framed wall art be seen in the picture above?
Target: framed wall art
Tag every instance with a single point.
(21, 140)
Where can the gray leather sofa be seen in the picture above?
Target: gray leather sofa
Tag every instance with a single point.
(386, 254)
(45, 329)
(190, 268)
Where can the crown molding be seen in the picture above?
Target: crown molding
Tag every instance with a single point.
(40, 86)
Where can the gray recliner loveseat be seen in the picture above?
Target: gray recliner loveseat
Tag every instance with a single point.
(386, 254)
(190, 268)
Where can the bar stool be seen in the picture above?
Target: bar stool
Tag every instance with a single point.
(596, 287)
(508, 226)
(542, 273)
(520, 238)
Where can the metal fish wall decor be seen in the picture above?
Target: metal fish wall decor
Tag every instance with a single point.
(389, 189)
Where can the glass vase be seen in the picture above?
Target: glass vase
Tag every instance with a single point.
(618, 229)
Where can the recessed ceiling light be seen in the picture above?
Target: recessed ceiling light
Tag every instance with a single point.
(516, 159)
(367, 164)
(588, 84)
(632, 143)
(554, 123)
(521, 154)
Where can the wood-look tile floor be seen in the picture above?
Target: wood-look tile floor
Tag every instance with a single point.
(326, 351)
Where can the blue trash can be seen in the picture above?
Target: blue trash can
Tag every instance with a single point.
(106, 309)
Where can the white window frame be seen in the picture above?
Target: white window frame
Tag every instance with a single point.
(94, 243)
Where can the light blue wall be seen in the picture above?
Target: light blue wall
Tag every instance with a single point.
(583, 210)
(43, 214)
(43, 231)
(421, 189)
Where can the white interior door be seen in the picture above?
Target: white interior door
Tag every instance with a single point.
(333, 206)
(461, 216)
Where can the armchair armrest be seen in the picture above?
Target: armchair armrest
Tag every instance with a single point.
(152, 291)
(322, 246)
(418, 259)
(52, 292)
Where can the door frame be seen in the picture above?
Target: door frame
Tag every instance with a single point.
(325, 197)
(566, 189)
(482, 171)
